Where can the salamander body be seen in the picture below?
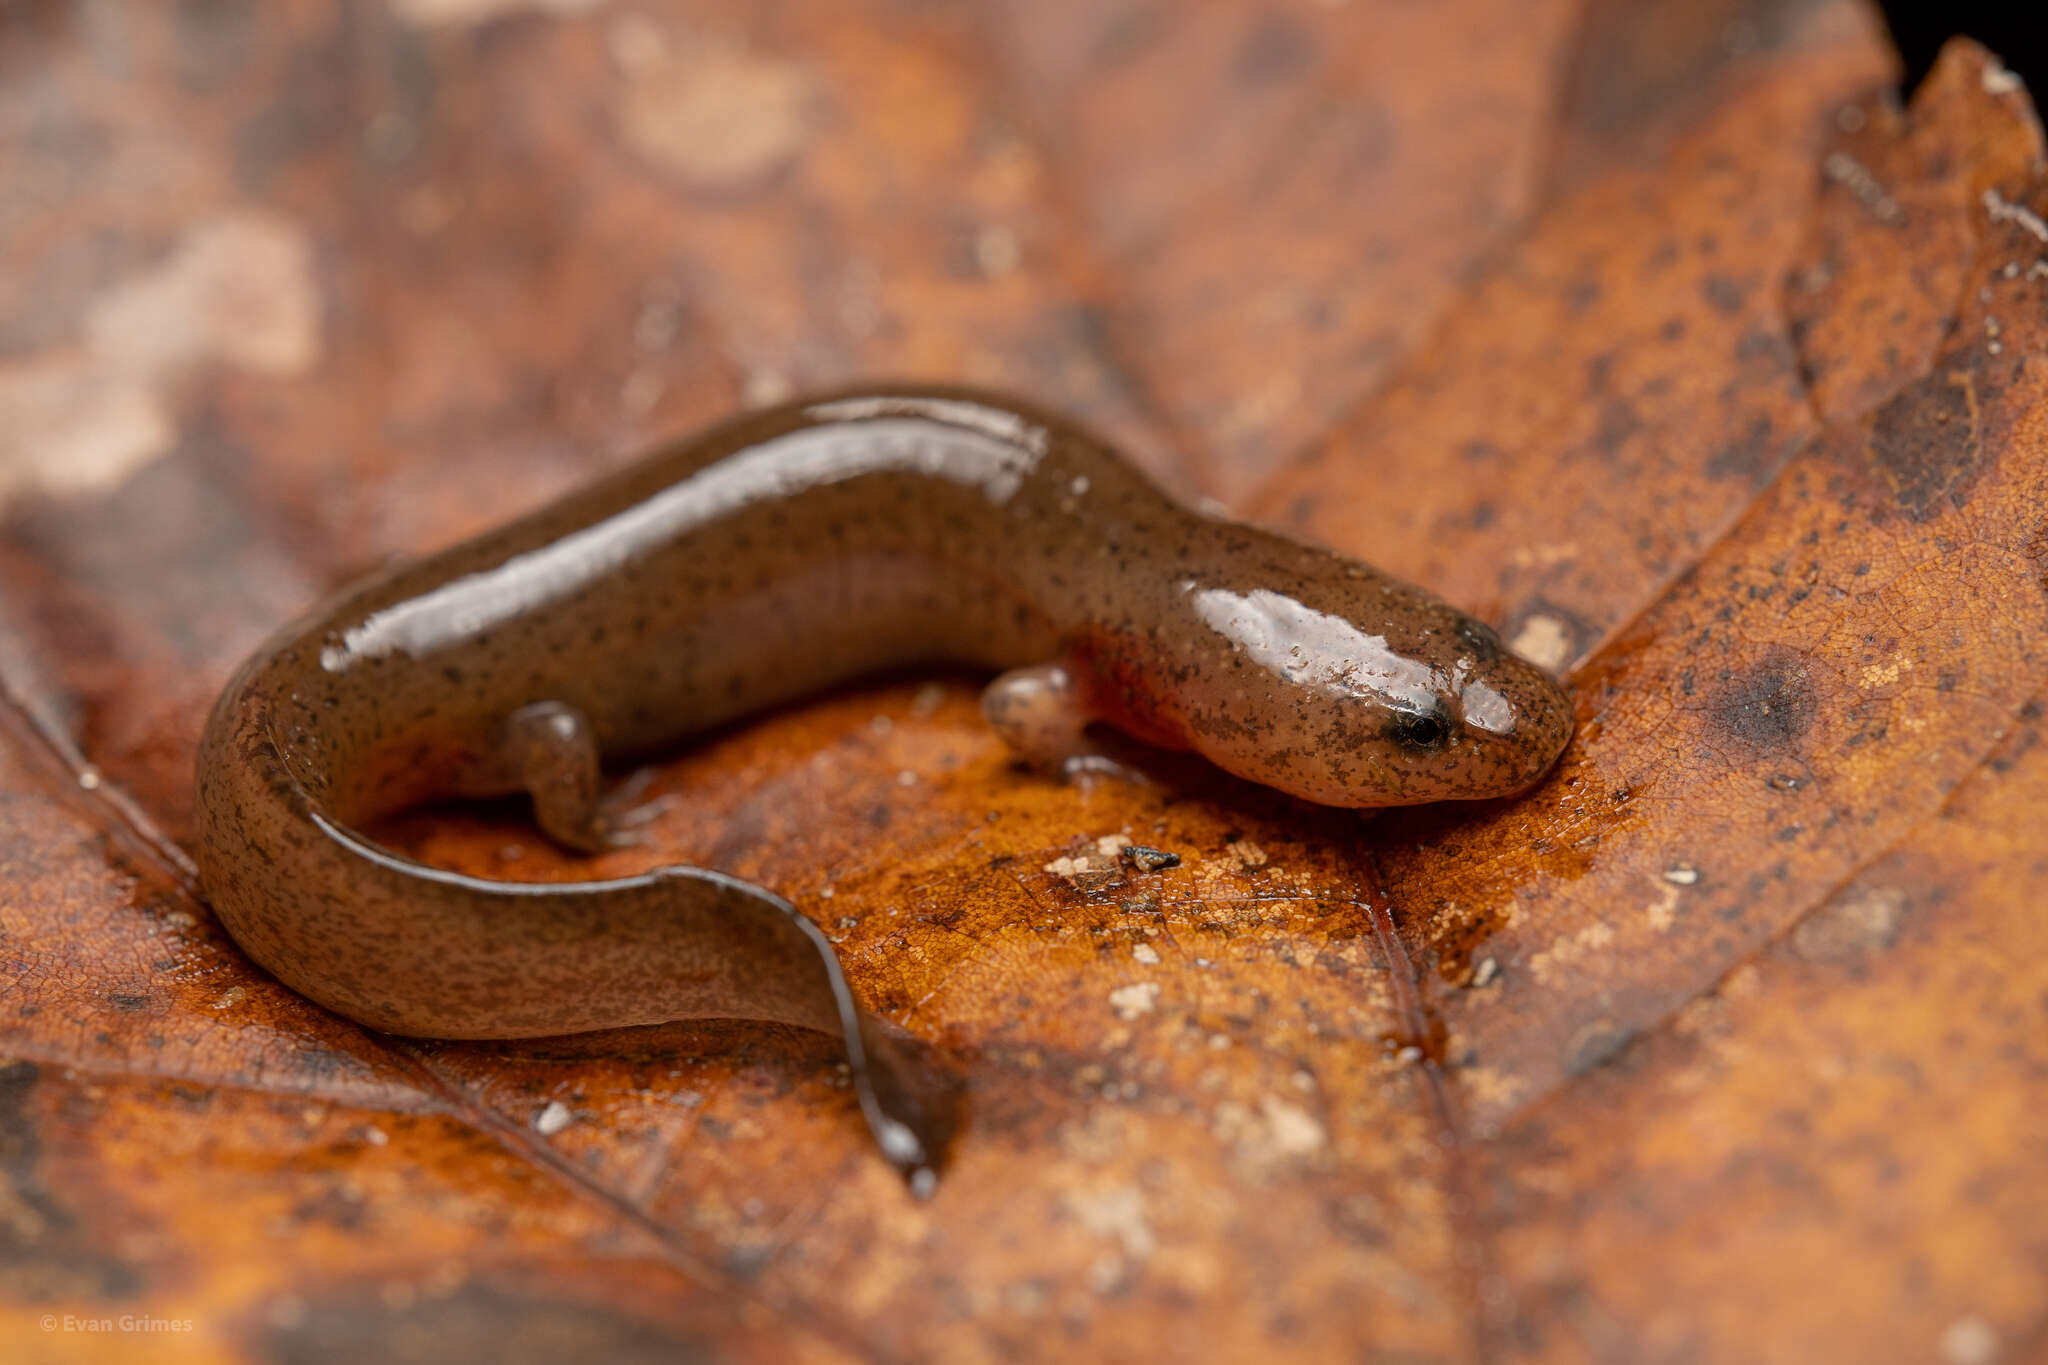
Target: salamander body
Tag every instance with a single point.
(770, 557)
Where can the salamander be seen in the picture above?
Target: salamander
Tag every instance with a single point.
(783, 552)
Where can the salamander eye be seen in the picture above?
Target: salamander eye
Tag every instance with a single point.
(1422, 731)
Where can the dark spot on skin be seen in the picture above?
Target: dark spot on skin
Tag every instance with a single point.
(1924, 443)
(128, 1002)
(1723, 293)
(1762, 347)
(1767, 706)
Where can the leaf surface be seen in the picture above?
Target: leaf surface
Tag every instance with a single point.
(1656, 334)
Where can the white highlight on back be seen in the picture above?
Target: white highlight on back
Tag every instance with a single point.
(953, 412)
(982, 454)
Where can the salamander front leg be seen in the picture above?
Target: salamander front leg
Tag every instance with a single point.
(1041, 713)
(550, 748)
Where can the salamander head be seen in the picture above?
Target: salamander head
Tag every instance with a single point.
(1354, 689)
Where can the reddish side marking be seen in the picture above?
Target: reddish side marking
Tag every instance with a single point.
(1109, 670)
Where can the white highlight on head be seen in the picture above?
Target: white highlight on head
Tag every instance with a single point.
(1488, 710)
(1311, 648)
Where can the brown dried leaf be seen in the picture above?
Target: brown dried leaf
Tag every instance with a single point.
(1653, 332)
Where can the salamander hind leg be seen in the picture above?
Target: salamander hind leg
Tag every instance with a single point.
(550, 748)
(1041, 713)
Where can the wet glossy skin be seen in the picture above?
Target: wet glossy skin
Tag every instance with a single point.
(776, 555)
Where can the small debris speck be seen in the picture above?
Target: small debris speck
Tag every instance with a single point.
(552, 1119)
(1683, 875)
(1148, 859)
(1146, 954)
(1543, 641)
(996, 251)
(1998, 80)
(2003, 210)
(1484, 974)
(1969, 1340)
(1854, 176)
(1131, 1001)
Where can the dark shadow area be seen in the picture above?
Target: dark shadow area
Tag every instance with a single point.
(2017, 31)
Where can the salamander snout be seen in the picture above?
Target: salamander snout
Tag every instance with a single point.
(1496, 721)
(1352, 691)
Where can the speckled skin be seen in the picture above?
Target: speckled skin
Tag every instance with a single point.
(775, 555)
